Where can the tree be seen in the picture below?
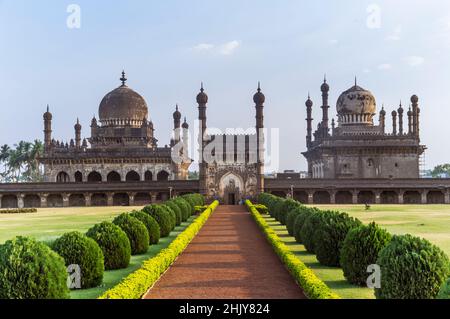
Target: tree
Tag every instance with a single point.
(440, 169)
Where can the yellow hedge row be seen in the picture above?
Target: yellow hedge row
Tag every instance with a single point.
(312, 286)
(136, 284)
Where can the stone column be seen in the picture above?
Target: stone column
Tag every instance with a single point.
(355, 197)
(131, 197)
(332, 197)
(87, 199)
(153, 196)
(110, 199)
(43, 200)
(310, 198)
(20, 203)
(424, 196)
(447, 196)
(400, 197)
(65, 200)
(377, 197)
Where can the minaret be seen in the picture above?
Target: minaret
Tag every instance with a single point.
(415, 114)
(325, 88)
(410, 121)
(309, 119)
(185, 127)
(47, 129)
(400, 119)
(259, 99)
(94, 127)
(394, 123)
(77, 128)
(177, 125)
(202, 100)
(383, 120)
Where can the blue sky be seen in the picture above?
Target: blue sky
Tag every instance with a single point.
(168, 47)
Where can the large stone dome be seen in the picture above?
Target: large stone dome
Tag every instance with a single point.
(123, 106)
(356, 106)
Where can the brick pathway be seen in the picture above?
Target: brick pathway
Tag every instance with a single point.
(229, 258)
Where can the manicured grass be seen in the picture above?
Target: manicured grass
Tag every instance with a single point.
(49, 223)
(333, 277)
(113, 277)
(431, 222)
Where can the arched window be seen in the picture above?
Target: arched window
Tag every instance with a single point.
(163, 176)
(94, 177)
(148, 176)
(62, 177)
(78, 177)
(113, 177)
(133, 177)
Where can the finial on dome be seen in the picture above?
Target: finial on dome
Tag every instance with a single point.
(259, 86)
(325, 78)
(201, 87)
(48, 108)
(356, 81)
(176, 107)
(123, 78)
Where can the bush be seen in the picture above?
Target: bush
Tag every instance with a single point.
(411, 268)
(18, 210)
(31, 270)
(192, 203)
(136, 231)
(308, 229)
(114, 244)
(78, 249)
(176, 210)
(444, 293)
(184, 207)
(287, 206)
(360, 249)
(162, 217)
(262, 209)
(173, 216)
(151, 225)
(330, 234)
(300, 218)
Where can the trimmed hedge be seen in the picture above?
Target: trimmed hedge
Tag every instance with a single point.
(151, 225)
(312, 286)
(411, 268)
(138, 283)
(309, 229)
(176, 210)
(172, 214)
(285, 208)
(114, 243)
(78, 249)
(136, 231)
(18, 210)
(31, 270)
(360, 249)
(330, 234)
(184, 207)
(162, 217)
(303, 213)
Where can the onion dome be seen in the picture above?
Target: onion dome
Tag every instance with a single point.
(394, 113)
(259, 98)
(400, 109)
(122, 107)
(383, 112)
(202, 97)
(47, 115)
(356, 106)
(325, 87)
(414, 99)
(177, 114)
(185, 125)
(410, 113)
(309, 103)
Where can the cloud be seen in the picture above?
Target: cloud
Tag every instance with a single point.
(414, 60)
(384, 66)
(229, 47)
(334, 41)
(396, 35)
(203, 47)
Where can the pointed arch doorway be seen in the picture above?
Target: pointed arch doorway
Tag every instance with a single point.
(231, 186)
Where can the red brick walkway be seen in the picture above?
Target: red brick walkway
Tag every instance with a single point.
(229, 258)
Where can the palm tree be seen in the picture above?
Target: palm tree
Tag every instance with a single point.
(5, 152)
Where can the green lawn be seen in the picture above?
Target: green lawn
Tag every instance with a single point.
(428, 221)
(49, 223)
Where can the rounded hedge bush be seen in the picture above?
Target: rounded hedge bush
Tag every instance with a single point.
(162, 217)
(286, 207)
(291, 217)
(308, 229)
(178, 214)
(31, 270)
(360, 249)
(78, 249)
(444, 293)
(136, 231)
(330, 234)
(151, 225)
(184, 207)
(303, 213)
(114, 244)
(173, 216)
(411, 268)
(191, 201)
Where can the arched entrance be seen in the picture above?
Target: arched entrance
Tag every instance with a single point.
(62, 177)
(389, 197)
(322, 197)
(94, 177)
(142, 199)
(366, 197)
(412, 197)
(9, 201)
(31, 201)
(230, 187)
(344, 197)
(133, 176)
(99, 199)
(162, 176)
(78, 177)
(435, 197)
(77, 200)
(121, 199)
(55, 200)
(113, 177)
(301, 196)
(148, 176)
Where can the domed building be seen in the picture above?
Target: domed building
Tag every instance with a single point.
(355, 147)
(121, 147)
